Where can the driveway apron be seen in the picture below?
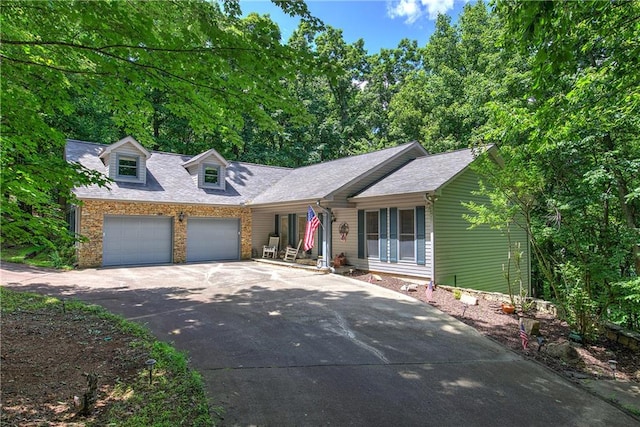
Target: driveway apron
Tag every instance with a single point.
(280, 346)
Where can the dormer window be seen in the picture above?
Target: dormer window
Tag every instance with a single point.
(208, 170)
(128, 167)
(126, 161)
(211, 176)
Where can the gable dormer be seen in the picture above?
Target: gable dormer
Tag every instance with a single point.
(209, 170)
(126, 161)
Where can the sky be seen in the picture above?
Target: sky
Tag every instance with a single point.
(380, 23)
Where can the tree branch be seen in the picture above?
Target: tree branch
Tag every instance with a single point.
(51, 67)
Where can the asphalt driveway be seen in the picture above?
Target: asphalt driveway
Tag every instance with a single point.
(286, 347)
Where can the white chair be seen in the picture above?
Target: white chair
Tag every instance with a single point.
(291, 253)
(271, 250)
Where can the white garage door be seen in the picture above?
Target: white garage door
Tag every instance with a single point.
(213, 239)
(133, 240)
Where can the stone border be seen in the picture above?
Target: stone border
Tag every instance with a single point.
(537, 304)
(626, 338)
(614, 332)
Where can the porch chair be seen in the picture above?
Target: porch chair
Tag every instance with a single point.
(291, 253)
(271, 250)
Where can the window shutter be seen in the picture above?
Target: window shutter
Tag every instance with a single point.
(276, 228)
(360, 233)
(292, 230)
(383, 235)
(393, 234)
(420, 236)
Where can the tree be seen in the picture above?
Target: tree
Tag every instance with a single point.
(579, 139)
(444, 102)
(208, 67)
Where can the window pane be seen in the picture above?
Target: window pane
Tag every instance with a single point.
(406, 222)
(211, 175)
(407, 247)
(372, 234)
(407, 235)
(127, 167)
(373, 247)
(372, 222)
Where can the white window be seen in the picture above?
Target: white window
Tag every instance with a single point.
(211, 176)
(127, 167)
(372, 232)
(407, 234)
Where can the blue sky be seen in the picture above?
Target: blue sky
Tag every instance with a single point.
(380, 23)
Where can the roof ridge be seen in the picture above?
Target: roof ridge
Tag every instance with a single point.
(354, 156)
(239, 162)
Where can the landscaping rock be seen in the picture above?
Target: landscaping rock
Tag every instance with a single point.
(468, 299)
(563, 350)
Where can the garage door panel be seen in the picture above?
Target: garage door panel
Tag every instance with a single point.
(213, 239)
(132, 240)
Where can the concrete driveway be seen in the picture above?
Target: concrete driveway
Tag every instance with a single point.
(286, 347)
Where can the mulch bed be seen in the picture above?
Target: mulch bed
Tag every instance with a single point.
(46, 356)
(487, 318)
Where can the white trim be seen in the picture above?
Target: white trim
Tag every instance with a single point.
(414, 259)
(126, 140)
(127, 178)
(221, 175)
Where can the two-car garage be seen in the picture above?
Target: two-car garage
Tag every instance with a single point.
(137, 240)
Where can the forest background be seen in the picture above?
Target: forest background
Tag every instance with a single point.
(555, 85)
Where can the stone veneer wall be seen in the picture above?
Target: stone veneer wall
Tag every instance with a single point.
(92, 214)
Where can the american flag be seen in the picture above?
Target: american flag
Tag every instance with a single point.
(524, 337)
(310, 231)
(430, 291)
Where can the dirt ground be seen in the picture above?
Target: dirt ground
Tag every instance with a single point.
(45, 357)
(487, 317)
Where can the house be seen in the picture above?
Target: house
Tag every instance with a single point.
(396, 210)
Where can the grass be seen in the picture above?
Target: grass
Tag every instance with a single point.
(176, 396)
(38, 256)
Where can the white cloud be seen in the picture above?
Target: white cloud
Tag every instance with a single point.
(434, 7)
(409, 9)
(413, 10)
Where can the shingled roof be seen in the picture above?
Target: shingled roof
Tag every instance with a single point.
(323, 180)
(403, 169)
(168, 180)
(422, 175)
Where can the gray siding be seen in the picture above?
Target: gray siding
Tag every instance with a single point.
(471, 258)
(128, 150)
(400, 267)
(263, 224)
(349, 246)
